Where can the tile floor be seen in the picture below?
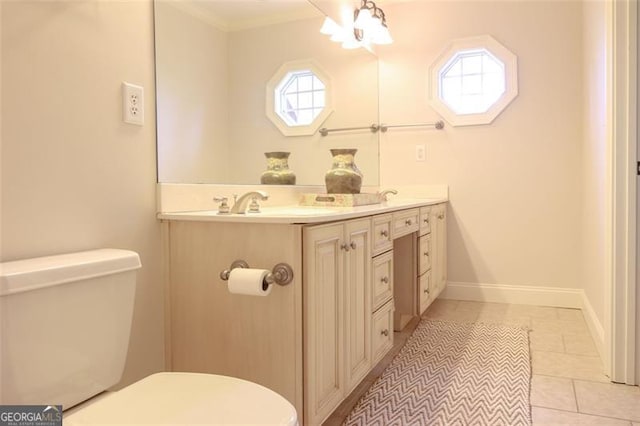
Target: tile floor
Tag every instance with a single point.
(568, 386)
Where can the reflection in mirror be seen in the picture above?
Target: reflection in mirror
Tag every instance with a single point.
(213, 64)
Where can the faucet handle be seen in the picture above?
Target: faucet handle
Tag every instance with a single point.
(223, 208)
(254, 207)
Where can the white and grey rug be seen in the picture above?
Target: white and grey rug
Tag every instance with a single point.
(451, 373)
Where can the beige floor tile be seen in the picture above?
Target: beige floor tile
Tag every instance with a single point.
(568, 365)
(546, 416)
(553, 392)
(463, 316)
(504, 318)
(570, 314)
(581, 344)
(541, 312)
(559, 326)
(608, 399)
(465, 305)
(444, 304)
(549, 342)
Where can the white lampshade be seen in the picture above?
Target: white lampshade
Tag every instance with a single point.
(363, 19)
(382, 36)
(329, 27)
(350, 43)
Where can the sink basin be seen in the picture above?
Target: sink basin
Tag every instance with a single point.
(296, 211)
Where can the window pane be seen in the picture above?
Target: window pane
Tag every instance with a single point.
(305, 117)
(305, 100)
(471, 84)
(318, 99)
(454, 69)
(305, 83)
(472, 64)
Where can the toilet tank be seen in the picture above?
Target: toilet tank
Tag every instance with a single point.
(65, 322)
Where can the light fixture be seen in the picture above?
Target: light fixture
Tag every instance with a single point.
(368, 27)
(370, 24)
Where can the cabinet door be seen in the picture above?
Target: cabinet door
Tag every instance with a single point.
(439, 244)
(424, 289)
(382, 331)
(424, 254)
(357, 302)
(382, 279)
(323, 314)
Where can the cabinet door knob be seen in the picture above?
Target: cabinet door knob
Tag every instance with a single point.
(408, 222)
(426, 220)
(384, 233)
(384, 332)
(426, 253)
(440, 216)
(353, 245)
(426, 290)
(384, 280)
(344, 247)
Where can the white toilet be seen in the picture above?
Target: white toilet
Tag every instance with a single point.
(64, 328)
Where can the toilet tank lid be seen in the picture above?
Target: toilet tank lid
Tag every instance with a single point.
(30, 274)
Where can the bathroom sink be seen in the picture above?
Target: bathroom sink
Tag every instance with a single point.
(297, 211)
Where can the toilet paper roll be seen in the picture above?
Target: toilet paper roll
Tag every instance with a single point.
(249, 281)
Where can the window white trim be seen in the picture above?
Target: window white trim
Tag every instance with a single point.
(274, 82)
(496, 49)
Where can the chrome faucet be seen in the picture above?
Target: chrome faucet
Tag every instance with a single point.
(383, 194)
(240, 204)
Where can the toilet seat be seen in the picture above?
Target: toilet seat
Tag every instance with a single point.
(188, 399)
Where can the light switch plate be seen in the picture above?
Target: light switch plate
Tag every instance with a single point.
(420, 152)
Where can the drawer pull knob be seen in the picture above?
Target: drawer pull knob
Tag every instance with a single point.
(344, 247)
(426, 290)
(440, 216)
(426, 253)
(408, 222)
(353, 245)
(384, 280)
(426, 220)
(384, 233)
(384, 332)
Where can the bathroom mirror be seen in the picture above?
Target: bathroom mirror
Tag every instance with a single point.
(214, 60)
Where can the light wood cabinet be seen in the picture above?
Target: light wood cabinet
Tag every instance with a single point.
(337, 305)
(315, 339)
(439, 241)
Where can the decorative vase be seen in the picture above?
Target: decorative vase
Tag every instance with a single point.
(278, 172)
(344, 176)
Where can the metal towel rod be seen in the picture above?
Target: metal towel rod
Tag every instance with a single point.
(439, 125)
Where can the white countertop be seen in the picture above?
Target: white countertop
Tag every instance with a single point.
(301, 214)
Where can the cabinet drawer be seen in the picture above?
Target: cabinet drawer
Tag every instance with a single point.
(382, 331)
(381, 238)
(425, 290)
(425, 220)
(405, 222)
(382, 275)
(424, 254)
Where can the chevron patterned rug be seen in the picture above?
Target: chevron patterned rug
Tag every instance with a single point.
(451, 373)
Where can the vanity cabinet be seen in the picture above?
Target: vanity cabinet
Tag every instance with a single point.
(314, 339)
(337, 313)
(439, 244)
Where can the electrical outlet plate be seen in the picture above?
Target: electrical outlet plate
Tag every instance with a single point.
(420, 152)
(132, 103)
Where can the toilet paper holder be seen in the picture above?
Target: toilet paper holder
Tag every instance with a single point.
(281, 274)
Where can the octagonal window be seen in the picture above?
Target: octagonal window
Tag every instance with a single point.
(473, 80)
(298, 98)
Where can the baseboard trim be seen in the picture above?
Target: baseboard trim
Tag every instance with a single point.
(522, 295)
(595, 326)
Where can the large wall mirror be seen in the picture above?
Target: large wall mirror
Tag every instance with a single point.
(214, 62)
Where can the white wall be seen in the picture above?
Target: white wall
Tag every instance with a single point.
(74, 176)
(515, 185)
(594, 157)
(193, 97)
